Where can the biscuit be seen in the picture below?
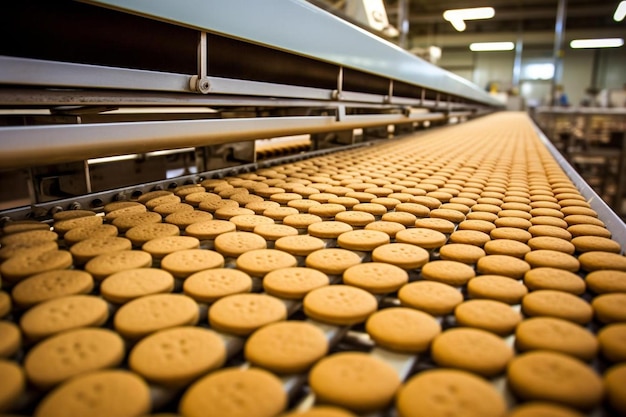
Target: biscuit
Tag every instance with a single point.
(552, 259)
(63, 313)
(183, 263)
(212, 206)
(362, 240)
(554, 377)
(543, 409)
(209, 229)
(614, 383)
(220, 394)
(514, 222)
(598, 260)
(550, 303)
(286, 347)
(581, 219)
(5, 304)
(332, 261)
(129, 284)
(64, 226)
(169, 208)
(321, 411)
(502, 265)
(416, 209)
(150, 313)
(21, 266)
(554, 279)
(274, 232)
(549, 221)
(329, 210)
(279, 213)
(284, 198)
(512, 233)
(150, 195)
(448, 272)
(52, 284)
(589, 230)
(183, 219)
(376, 277)
(347, 202)
(449, 392)
(607, 281)
(403, 218)
(163, 357)
(460, 252)
(478, 225)
(508, 247)
(424, 238)
(431, 297)
(341, 305)
(402, 329)
(128, 221)
(372, 208)
(446, 214)
(106, 264)
(10, 339)
(354, 380)
(98, 394)
(328, 229)
(260, 206)
(116, 205)
(194, 199)
(362, 196)
(212, 284)
(387, 202)
(300, 245)
(261, 261)
(88, 249)
(161, 246)
(81, 233)
(29, 236)
(612, 340)
(390, 228)
(355, 218)
(481, 215)
(610, 308)
(595, 243)
(557, 335)
(552, 243)
(493, 316)
(247, 222)
(242, 314)
(293, 283)
(13, 384)
(473, 350)
(498, 288)
(235, 243)
(547, 230)
(72, 353)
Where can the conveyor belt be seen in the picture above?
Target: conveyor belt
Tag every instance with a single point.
(485, 161)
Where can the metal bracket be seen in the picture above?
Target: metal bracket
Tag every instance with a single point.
(387, 99)
(201, 82)
(337, 94)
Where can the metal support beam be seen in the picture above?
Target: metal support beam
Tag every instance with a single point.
(559, 31)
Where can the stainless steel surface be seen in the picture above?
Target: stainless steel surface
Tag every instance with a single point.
(312, 33)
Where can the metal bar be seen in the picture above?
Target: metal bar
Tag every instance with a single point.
(559, 29)
(605, 213)
(23, 146)
(26, 71)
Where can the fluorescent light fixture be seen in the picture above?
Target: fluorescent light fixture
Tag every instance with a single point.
(620, 11)
(597, 43)
(457, 17)
(491, 46)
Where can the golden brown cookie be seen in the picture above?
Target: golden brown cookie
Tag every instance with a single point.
(610, 308)
(341, 305)
(209, 229)
(598, 260)
(106, 264)
(144, 198)
(490, 315)
(496, 287)
(424, 238)
(98, 394)
(299, 245)
(612, 340)
(161, 246)
(431, 297)
(595, 243)
(81, 233)
(212, 284)
(376, 277)
(355, 218)
(220, 394)
(235, 243)
(293, 283)
(212, 206)
(551, 243)
(72, 353)
(328, 229)
(460, 252)
(440, 225)
(183, 219)
(332, 261)
(128, 221)
(10, 339)
(125, 210)
(543, 409)
(558, 335)
(403, 218)
(65, 226)
(615, 383)
(502, 265)
(550, 303)
(473, 350)
(142, 233)
(129, 284)
(87, 249)
(286, 347)
(29, 236)
(607, 281)
(555, 377)
(23, 265)
(389, 228)
(514, 222)
(6, 304)
(448, 272)
(163, 357)
(261, 261)
(554, 279)
(148, 314)
(552, 259)
(581, 219)
(362, 240)
(354, 380)
(274, 232)
(512, 233)
(183, 263)
(402, 329)
(72, 214)
(52, 284)
(508, 247)
(589, 230)
(241, 314)
(449, 392)
(321, 411)
(63, 313)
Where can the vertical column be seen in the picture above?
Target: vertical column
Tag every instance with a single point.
(403, 23)
(559, 30)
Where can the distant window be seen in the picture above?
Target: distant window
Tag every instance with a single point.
(538, 71)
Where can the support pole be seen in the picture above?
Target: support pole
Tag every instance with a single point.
(559, 31)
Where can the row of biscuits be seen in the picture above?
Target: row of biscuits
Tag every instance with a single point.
(486, 258)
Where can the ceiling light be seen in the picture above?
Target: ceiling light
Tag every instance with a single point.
(491, 46)
(457, 17)
(597, 43)
(620, 11)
